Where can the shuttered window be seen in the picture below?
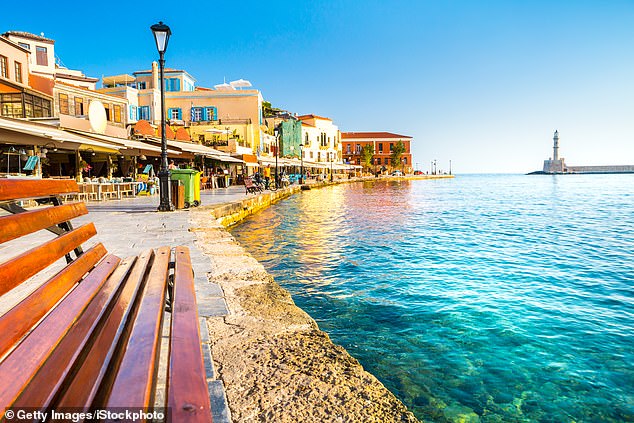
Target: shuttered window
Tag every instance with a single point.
(174, 113)
(144, 112)
(63, 104)
(4, 70)
(18, 72)
(41, 56)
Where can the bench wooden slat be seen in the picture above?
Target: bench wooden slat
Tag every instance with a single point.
(19, 367)
(69, 353)
(187, 391)
(22, 267)
(15, 323)
(17, 225)
(19, 189)
(135, 380)
(85, 387)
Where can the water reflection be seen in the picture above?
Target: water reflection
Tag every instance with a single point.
(470, 296)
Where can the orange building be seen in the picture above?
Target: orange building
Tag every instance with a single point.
(383, 142)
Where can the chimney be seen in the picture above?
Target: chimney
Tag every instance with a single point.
(155, 76)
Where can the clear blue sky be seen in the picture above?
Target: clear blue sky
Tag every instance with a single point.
(483, 83)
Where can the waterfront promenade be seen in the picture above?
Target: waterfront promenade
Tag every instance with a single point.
(271, 361)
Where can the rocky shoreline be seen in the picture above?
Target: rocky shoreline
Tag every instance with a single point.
(275, 363)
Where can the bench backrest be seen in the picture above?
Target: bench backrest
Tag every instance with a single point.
(55, 218)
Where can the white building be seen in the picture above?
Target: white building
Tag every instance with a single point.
(321, 139)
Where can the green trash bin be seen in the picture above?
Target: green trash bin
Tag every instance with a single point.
(191, 181)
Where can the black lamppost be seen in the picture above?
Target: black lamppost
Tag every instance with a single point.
(331, 175)
(450, 167)
(162, 34)
(301, 167)
(277, 151)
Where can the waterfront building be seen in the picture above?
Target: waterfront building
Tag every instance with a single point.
(225, 117)
(18, 99)
(321, 139)
(382, 144)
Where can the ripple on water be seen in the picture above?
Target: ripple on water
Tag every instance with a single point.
(507, 298)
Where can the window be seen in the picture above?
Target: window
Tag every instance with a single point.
(348, 148)
(391, 147)
(358, 151)
(140, 85)
(4, 70)
(144, 112)
(41, 56)
(311, 154)
(211, 113)
(133, 113)
(380, 147)
(117, 113)
(11, 105)
(79, 106)
(306, 142)
(36, 106)
(386, 161)
(174, 114)
(25, 45)
(197, 114)
(404, 160)
(63, 104)
(108, 112)
(172, 84)
(18, 72)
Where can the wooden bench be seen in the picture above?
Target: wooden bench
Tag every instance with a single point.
(89, 336)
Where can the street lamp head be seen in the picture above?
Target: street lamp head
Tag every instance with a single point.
(162, 34)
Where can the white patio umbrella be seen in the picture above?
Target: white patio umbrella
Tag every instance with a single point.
(219, 131)
(240, 83)
(224, 87)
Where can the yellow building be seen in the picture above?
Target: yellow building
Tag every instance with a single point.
(223, 117)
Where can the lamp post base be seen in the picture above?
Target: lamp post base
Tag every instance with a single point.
(164, 187)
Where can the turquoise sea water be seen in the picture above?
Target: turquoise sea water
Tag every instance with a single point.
(506, 297)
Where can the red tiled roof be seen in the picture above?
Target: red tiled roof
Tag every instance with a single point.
(372, 135)
(29, 35)
(304, 117)
(307, 124)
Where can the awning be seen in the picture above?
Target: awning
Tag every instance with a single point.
(50, 133)
(226, 158)
(125, 142)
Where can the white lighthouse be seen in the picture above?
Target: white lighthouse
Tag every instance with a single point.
(555, 165)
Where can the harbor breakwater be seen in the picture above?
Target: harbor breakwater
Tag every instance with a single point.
(275, 363)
